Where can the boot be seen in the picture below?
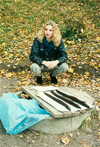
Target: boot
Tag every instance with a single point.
(39, 80)
(53, 79)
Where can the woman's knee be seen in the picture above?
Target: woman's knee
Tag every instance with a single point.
(64, 67)
(35, 68)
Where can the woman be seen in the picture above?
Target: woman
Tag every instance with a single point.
(48, 53)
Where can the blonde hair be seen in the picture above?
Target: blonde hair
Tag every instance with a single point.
(56, 38)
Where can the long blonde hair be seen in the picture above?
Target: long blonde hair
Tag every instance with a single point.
(56, 38)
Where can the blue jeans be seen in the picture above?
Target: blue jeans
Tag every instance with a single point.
(36, 69)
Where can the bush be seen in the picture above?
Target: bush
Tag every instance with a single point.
(73, 29)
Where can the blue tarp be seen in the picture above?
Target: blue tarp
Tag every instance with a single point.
(18, 114)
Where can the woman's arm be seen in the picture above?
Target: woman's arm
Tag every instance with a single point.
(62, 57)
(34, 55)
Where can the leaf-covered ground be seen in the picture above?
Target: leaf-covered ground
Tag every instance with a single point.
(78, 21)
(79, 24)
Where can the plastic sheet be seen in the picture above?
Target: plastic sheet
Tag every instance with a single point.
(19, 114)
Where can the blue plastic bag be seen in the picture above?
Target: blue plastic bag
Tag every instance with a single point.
(19, 114)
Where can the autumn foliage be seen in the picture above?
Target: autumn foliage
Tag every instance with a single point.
(78, 21)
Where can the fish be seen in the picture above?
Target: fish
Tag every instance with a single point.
(58, 100)
(73, 98)
(65, 99)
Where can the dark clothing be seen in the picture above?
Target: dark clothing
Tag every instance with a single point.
(48, 46)
(39, 53)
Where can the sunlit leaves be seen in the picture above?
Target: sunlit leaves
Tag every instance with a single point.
(70, 70)
(8, 75)
(19, 22)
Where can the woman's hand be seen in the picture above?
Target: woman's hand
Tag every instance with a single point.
(50, 64)
(47, 63)
(53, 64)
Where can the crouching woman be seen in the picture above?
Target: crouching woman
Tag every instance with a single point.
(48, 53)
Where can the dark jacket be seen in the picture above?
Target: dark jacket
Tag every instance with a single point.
(38, 53)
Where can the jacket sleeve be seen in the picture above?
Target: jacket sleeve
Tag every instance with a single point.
(34, 55)
(62, 54)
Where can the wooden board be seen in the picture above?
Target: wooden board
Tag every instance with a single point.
(33, 94)
(54, 112)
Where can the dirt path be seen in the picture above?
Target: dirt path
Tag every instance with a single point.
(86, 136)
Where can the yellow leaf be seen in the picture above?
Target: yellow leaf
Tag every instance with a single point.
(33, 141)
(73, 42)
(96, 67)
(14, 66)
(97, 79)
(23, 72)
(22, 95)
(93, 25)
(99, 133)
(81, 142)
(65, 140)
(70, 134)
(3, 44)
(71, 70)
(73, 65)
(87, 73)
(37, 134)
(4, 87)
(27, 96)
(36, 95)
(21, 136)
(69, 42)
(9, 75)
(19, 73)
(59, 80)
(91, 64)
(85, 76)
(98, 39)
(14, 38)
(0, 75)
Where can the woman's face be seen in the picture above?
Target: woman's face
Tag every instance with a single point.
(48, 32)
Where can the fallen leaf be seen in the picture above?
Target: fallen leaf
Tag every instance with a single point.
(98, 39)
(81, 142)
(97, 79)
(71, 70)
(70, 134)
(98, 108)
(87, 73)
(85, 76)
(4, 87)
(33, 141)
(3, 44)
(21, 136)
(65, 140)
(73, 65)
(8, 65)
(96, 67)
(99, 133)
(37, 134)
(98, 140)
(73, 42)
(22, 95)
(8, 75)
(14, 67)
(64, 81)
